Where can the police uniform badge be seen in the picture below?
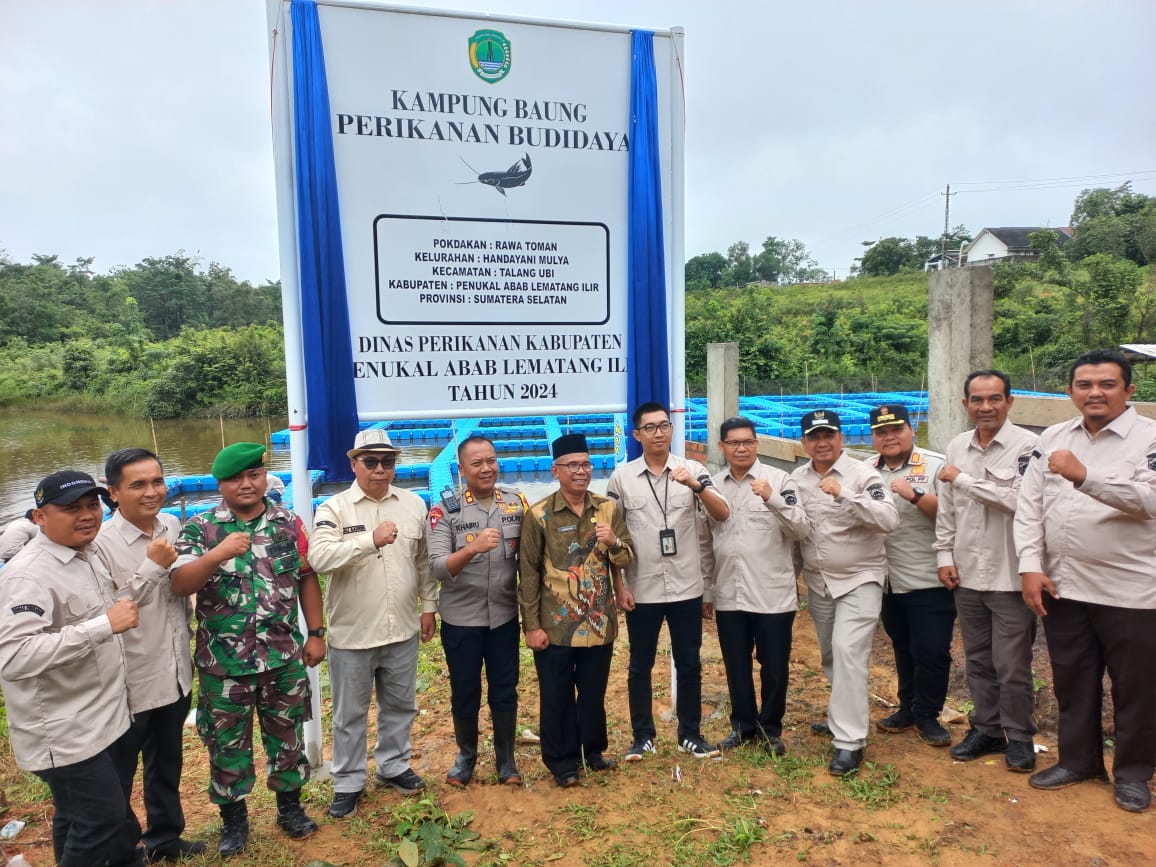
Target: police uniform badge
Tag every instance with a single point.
(876, 491)
(1024, 460)
(1152, 461)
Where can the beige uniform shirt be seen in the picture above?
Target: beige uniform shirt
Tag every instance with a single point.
(61, 668)
(746, 559)
(973, 529)
(15, 536)
(375, 594)
(157, 652)
(911, 563)
(1097, 542)
(650, 504)
(845, 547)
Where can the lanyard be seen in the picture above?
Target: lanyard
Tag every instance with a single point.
(665, 494)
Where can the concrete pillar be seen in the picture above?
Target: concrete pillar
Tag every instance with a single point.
(960, 315)
(722, 395)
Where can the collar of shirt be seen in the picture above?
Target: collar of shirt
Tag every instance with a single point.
(129, 531)
(359, 494)
(671, 463)
(842, 463)
(559, 503)
(224, 515)
(61, 552)
(912, 460)
(1001, 436)
(1121, 425)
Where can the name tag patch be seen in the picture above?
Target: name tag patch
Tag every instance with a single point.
(28, 608)
(356, 528)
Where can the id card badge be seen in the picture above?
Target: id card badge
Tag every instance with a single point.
(666, 543)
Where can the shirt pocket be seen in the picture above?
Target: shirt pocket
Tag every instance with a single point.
(1004, 477)
(759, 517)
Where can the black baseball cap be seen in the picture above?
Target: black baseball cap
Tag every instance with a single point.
(820, 418)
(65, 487)
(882, 416)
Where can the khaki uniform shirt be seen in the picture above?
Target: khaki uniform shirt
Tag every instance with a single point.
(973, 529)
(16, 535)
(61, 668)
(645, 498)
(845, 548)
(160, 662)
(564, 582)
(374, 594)
(747, 561)
(911, 563)
(485, 592)
(1097, 542)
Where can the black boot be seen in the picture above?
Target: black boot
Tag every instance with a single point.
(466, 734)
(234, 828)
(291, 817)
(505, 724)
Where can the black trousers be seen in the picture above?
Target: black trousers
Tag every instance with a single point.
(158, 736)
(920, 625)
(467, 648)
(769, 636)
(1084, 639)
(93, 824)
(684, 620)
(572, 704)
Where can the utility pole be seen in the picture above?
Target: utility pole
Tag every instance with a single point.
(946, 216)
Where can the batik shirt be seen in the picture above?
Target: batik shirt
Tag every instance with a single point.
(247, 611)
(564, 583)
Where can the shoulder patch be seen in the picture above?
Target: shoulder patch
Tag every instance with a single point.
(1023, 463)
(325, 524)
(876, 492)
(28, 608)
(435, 515)
(1152, 461)
(789, 498)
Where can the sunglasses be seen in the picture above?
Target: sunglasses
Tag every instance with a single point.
(373, 463)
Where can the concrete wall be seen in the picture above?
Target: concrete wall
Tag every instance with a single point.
(960, 312)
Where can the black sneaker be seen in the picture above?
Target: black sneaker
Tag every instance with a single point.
(344, 804)
(975, 744)
(1021, 756)
(177, 850)
(407, 782)
(639, 750)
(697, 746)
(900, 721)
(931, 732)
(821, 729)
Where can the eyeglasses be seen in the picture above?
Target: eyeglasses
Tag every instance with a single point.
(577, 466)
(373, 463)
(651, 429)
(740, 444)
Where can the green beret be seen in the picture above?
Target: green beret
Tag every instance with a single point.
(236, 459)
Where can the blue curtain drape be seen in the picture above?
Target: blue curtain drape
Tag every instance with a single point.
(648, 356)
(330, 397)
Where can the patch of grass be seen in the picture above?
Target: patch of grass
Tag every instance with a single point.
(875, 788)
(581, 820)
(621, 855)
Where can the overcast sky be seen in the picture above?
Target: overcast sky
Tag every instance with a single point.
(135, 128)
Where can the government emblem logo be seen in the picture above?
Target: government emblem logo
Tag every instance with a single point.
(490, 55)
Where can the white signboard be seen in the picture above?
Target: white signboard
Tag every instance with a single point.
(482, 178)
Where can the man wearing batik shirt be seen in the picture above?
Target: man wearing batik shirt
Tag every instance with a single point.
(572, 542)
(246, 561)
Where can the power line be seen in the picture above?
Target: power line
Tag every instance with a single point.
(1070, 179)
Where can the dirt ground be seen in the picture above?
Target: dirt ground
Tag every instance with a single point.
(911, 804)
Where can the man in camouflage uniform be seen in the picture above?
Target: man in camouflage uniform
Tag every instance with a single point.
(246, 561)
(473, 552)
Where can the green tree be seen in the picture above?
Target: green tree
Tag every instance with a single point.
(170, 293)
(705, 271)
(786, 261)
(740, 266)
(1116, 222)
(888, 256)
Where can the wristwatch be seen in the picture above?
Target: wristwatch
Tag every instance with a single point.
(319, 632)
(919, 492)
